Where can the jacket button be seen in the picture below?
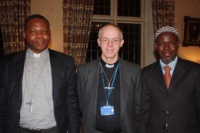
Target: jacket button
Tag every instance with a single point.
(167, 112)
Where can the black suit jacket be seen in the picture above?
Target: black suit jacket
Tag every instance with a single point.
(88, 78)
(65, 98)
(179, 106)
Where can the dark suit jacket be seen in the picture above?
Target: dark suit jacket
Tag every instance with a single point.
(88, 77)
(65, 98)
(179, 106)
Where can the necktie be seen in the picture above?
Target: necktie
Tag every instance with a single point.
(167, 75)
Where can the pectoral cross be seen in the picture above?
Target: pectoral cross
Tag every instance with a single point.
(30, 104)
(109, 87)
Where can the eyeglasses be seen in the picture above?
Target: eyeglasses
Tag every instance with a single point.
(114, 40)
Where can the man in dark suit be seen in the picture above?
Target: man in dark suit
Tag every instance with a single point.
(109, 88)
(38, 86)
(170, 100)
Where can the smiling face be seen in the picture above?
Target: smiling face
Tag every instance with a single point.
(37, 34)
(110, 41)
(166, 44)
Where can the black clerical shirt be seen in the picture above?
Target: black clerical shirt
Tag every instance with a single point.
(109, 122)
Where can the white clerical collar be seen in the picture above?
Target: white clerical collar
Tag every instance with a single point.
(107, 65)
(38, 55)
(110, 65)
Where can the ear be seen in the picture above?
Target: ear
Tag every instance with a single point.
(98, 41)
(122, 42)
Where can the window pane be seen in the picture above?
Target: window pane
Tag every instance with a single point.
(132, 42)
(131, 8)
(101, 7)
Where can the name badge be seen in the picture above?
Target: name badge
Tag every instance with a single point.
(107, 110)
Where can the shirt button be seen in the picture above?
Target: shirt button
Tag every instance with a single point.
(168, 97)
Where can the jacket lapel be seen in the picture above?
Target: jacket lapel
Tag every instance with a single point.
(54, 66)
(158, 75)
(19, 63)
(179, 71)
(124, 85)
(94, 82)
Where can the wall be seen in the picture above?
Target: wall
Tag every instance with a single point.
(187, 8)
(53, 11)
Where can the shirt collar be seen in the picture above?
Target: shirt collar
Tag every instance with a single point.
(171, 64)
(43, 54)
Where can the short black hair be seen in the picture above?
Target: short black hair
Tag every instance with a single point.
(33, 17)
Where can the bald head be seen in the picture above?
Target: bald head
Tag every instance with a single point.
(110, 25)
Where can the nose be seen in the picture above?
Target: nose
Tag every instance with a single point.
(39, 34)
(110, 43)
(166, 46)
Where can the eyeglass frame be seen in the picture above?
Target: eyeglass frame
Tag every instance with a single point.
(106, 40)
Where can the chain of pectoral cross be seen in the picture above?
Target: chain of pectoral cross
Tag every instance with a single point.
(109, 81)
(30, 103)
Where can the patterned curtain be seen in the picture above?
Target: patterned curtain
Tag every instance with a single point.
(12, 16)
(163, 13)
(77, 22)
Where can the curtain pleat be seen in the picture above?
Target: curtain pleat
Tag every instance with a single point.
(12, 17)
(77, 16)
(163, 13)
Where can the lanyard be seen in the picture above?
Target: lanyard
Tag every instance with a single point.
(112, 80)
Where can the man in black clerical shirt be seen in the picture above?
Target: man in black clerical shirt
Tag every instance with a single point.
(109, 88)
(108, 121)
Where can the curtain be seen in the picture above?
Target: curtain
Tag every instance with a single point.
(12, 16)
(77, 16)
(163, 13)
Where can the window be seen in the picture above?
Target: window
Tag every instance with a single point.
(129, 16)
(131, 48)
